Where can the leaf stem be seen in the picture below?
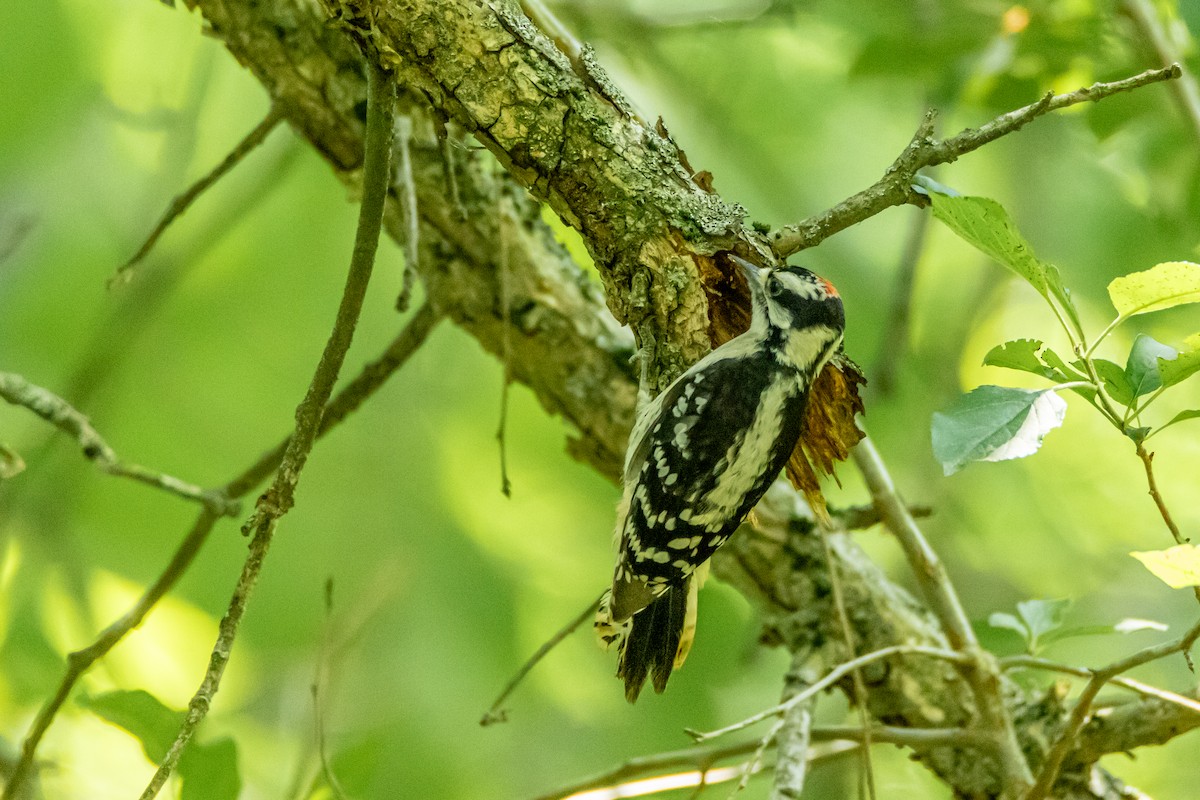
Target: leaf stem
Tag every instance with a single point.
(1104, 335)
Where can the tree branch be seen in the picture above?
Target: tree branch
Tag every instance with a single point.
(183, 202)
(981, 672)
(894, 188)
(80, 661)
(829, 679)
(59, 413)
(1067, 740)
(278, 499)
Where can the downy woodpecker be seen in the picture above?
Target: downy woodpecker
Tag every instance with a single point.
(700, 456)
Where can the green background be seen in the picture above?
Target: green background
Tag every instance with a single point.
(441, 585)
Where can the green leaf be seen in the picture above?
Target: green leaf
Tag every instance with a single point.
(1042, 616)
(1000, 619)
(209, 771)
(1191, 413)
(1177, 566)
(1162, 286)
(1115, 378)
(1183, 366)
(1021, 354)
(985, 224)
(141, 714)
(1061, 293)
(1053, 361)
(1142, 367)
(994, 423)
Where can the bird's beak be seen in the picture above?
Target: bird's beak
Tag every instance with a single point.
(756, 279)
(754, 274)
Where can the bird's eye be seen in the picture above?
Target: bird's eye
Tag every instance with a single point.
(774, 287)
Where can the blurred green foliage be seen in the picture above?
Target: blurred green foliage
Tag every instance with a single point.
(441, 585)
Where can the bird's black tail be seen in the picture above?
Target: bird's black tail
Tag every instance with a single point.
(658, 640)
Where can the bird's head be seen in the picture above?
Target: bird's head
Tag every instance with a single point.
(797, 308)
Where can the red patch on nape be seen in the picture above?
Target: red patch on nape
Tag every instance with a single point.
(829, 287)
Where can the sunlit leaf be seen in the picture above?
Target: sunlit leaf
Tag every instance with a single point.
(994, 423)
(141, 714)
(208, 770)
(1054, 361)
(985, 224)
(1022, 354)
(1142, 367)
(1162, 286)
(1055, 284)
(1191, 413)
(1184, 365)
(1133, 625)
(1177, 566)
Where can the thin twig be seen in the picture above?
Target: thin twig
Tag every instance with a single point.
(1082, 709)
(320, 678)
(982, 673)
(1147, 459)
(348, 399)
(916, 738)
(505, 344)
(857, 683)
(279, 498)
(183, 201)
(700, 759)
(496, 713)
(755, 764)
(792, 740)
(1144, 689)
(832, 677)
(626, 780)
(1148, 463)
(894, 188)
(926, 565)
(408, 205)
(62, 415)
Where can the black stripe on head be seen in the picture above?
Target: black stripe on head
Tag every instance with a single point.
(808, 298)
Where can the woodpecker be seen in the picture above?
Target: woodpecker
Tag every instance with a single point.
(700, 456)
